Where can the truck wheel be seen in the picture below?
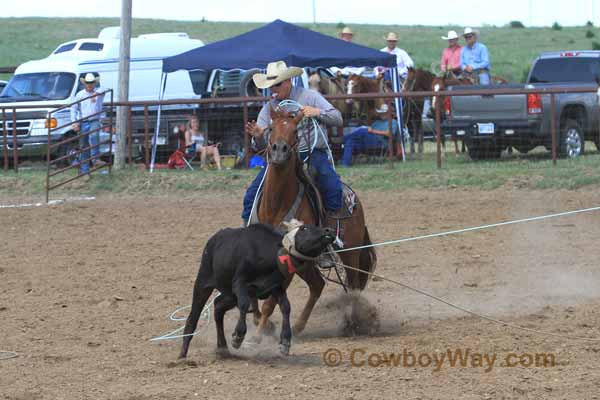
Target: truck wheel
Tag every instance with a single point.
(572, 142)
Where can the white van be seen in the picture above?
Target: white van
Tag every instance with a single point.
(54, 80)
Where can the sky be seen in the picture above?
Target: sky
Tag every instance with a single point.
(415, 12)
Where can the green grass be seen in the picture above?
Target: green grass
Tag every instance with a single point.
(457, 172)
(512, 50)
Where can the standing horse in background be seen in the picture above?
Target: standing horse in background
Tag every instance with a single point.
(325, 84)
(361, 84)
(417, 80)
(283, 189)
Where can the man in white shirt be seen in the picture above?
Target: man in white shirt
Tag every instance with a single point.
(89, 108)
(402, 58)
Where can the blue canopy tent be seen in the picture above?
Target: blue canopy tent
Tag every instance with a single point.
(277, 40)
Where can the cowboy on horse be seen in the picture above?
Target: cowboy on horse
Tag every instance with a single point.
(311, 145)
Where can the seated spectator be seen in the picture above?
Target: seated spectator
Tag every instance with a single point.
(450, 62)
(372, 137)
(197, 141)
(475, 58)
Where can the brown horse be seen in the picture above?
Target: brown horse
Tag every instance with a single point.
(281, 187)
(327, 84)
(361, 84)
(417, 80)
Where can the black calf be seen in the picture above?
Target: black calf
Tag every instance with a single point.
(247, 263)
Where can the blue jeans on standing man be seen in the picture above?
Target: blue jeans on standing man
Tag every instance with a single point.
(327, 181)
(86, 141)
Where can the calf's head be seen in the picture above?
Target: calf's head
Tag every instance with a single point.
(308, 240)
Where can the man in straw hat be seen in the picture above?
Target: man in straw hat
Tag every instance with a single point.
(346, 34)
(313, 105)
(450, 62)
(89, 109)
(474, 58)
(402, 58)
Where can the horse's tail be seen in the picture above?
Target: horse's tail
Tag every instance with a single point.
(367, 260)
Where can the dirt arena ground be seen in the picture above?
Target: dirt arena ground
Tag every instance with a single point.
(84, 286)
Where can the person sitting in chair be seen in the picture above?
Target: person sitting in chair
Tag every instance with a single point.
(372, 137)
(197, 141)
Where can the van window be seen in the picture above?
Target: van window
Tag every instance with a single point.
(65, 47)
(199, 80)
(91, 46)
(40, 86)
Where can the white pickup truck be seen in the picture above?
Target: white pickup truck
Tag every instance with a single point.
(54, 80)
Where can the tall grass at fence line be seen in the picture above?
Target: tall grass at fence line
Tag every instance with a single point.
(25, 39)
(534, 171)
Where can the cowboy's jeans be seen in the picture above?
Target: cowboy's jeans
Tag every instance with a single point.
(251, 193)
(86, 141)
(360, 139)
(327, 181)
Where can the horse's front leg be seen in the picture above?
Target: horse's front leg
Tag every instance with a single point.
(315, 283)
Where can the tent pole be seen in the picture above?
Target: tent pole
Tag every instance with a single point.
(398, 104)
(163, 84)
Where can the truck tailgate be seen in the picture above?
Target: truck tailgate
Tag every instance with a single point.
(489, 107)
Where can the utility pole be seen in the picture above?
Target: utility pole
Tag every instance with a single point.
(314, 14)
(124, 60)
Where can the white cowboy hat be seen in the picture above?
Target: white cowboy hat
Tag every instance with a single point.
(451, 35)
(391, 37)
(89, 78)
(277, 72)
(347, 30)
(469, 31)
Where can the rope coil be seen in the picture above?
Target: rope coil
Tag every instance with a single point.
(7, 355)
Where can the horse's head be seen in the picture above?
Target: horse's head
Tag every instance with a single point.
(283, 139)
(437, 84)
(353, 86)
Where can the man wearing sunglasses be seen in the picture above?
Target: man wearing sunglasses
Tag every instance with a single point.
(474, 58)
(313, 105)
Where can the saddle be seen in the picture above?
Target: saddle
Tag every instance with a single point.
(307, 186)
